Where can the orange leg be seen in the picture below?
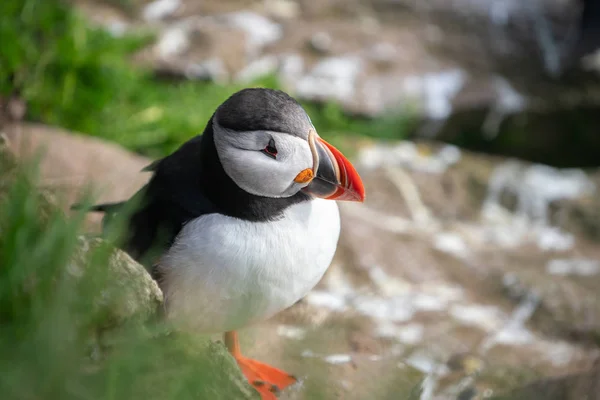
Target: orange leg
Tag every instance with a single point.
(267, 380)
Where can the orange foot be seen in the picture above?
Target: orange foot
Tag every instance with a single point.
(268, 381)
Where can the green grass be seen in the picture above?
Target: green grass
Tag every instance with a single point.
(59, 336)
(81, 78)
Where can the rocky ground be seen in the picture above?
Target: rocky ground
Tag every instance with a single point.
(368, 55)
(470, 274)
(503, 67)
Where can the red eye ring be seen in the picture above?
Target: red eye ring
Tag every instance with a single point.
(270, 150)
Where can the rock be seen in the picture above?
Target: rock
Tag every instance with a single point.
(12, 109)
(160, 9)
(424, 276)
(282, 8)
(198, 48)
(383, 53)
(260, 31)
(211, 69)
(511, 72)
(582, 385)
(200, 369)
(332, 78)
(71, 162)
(173, 41)
(321, 42)
(291, 69)
(259, 68)
(129, 292)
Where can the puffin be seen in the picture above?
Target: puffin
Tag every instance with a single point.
(241, 221)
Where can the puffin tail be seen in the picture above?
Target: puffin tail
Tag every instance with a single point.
(104, 207)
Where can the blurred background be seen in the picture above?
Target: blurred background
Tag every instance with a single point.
(472, 271)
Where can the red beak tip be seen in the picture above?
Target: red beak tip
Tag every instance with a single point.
(352, 188)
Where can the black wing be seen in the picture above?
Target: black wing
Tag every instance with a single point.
(173, 196)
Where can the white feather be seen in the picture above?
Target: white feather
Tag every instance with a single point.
(223, 273)
(256, 173)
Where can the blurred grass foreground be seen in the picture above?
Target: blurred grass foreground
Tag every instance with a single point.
(77, 318)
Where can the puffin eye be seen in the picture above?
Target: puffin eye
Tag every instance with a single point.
(270, 150)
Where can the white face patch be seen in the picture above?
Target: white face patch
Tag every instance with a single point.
(257, 173)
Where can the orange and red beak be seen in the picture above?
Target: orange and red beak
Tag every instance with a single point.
(335, 178)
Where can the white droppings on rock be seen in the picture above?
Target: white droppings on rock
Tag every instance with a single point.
(173, 41)
(544, 184)
(282, 8)
(212, 69)
(337, 282)
(406, 154)
(514, 336)
(319, 298)
(291, 68)
(444, 292)
(371, 306)
(450, 154)
(558, 353)
(260, 31)
(507, 101)
(291, 332)
(160, 9)
(386, 329)
(554, 239)
(429, 302)
(374, 95)
(451, 243)
(333, 78)
(410, 334)
(423, 363)
(257, 69)
(337, 359)
(388, 285)
(488, 318)
(513, 332)
(436, 90)
(398, 309)
(573, 267)
(536, 187)
(500, 13)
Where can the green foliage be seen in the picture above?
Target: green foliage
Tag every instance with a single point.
(54, 339)
(81, 78)
(67, 72)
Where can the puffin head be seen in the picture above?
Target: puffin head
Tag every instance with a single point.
(269, 147)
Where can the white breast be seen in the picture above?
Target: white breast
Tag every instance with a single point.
(223, 273)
